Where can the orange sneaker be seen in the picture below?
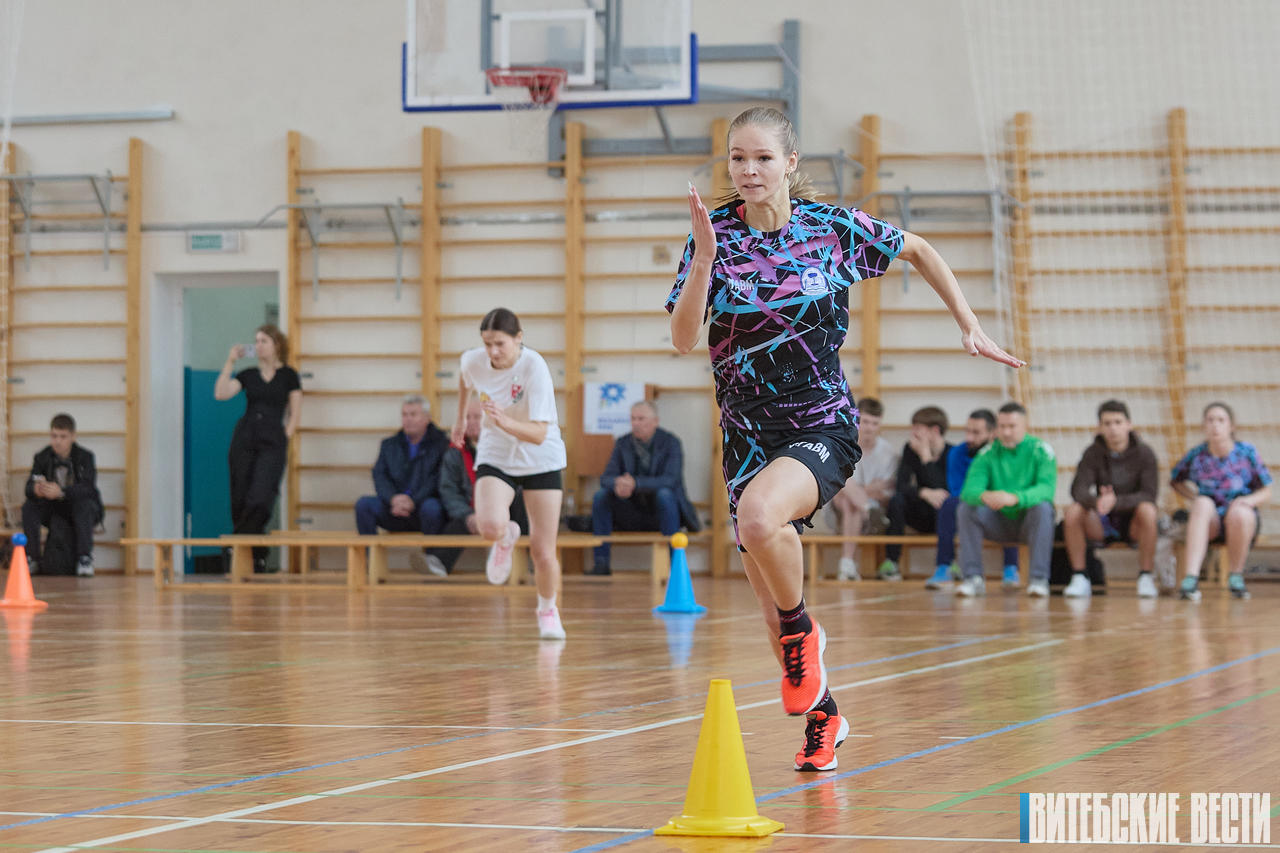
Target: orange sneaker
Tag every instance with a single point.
(498, 566)
(821, 737)
(804, 675)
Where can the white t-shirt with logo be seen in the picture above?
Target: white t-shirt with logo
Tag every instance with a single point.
(525, 392)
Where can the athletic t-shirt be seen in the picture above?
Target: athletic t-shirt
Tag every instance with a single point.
(779, 308)
(1224, 479)
(526, 393)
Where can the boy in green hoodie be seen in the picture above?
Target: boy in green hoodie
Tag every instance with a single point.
(1008, 497)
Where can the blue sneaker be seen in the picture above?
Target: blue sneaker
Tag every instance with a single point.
(1189, 589)
(1011, 579)
(1235, 581)
(940, 578)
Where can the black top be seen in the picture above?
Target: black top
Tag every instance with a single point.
(267, 400)
(914, 475)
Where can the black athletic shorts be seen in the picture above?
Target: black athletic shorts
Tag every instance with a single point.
(546, 481)
(829, 452)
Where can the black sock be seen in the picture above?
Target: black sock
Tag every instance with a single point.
(1078, 571)
(1140, 574)
(827, 705)
(794, 621)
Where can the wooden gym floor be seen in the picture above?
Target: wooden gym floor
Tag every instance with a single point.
(308, 720)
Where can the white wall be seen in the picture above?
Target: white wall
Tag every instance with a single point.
(240, 74)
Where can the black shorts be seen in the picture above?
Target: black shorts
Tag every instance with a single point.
(829, 452)
(546, 481)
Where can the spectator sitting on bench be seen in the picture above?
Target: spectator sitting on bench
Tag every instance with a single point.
(407, 478)
(860, 505)
(1008, 497)
(978, 430)
(458, 494)
(1226, 483)
(1113, 499)
(642, 487)
(921, 487)
(63, 483)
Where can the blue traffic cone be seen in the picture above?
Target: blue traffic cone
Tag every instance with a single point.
(679, 586)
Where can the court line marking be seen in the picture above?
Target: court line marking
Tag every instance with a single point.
(602, 829)
(1049, 768)
(292, 725)
(376, 783)
(782, 792)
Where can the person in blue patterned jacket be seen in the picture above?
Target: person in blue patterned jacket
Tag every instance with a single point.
(1226, 482)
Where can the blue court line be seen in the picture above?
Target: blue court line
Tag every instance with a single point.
(617, 842)
(293, 771)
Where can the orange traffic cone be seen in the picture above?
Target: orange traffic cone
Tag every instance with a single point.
(18, 592)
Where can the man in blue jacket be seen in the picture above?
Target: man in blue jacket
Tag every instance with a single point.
(406, 477)
(642, 487)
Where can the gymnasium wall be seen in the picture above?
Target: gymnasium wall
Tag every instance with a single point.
(240, 75)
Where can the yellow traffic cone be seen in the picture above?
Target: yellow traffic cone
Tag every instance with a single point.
(720, 800)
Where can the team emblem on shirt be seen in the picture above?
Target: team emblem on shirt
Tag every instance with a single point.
(813, 282)
(517, 393)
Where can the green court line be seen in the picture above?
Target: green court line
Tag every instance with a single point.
(1048, 768)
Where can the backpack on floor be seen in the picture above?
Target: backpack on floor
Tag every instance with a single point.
(1060, 564)
(58, 557)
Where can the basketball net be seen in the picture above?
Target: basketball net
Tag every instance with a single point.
(529, 96)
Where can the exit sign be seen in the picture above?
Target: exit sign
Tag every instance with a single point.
(213, 241)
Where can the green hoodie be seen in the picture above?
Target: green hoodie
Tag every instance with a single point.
(1029, 471)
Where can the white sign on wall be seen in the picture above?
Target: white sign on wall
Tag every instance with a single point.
(606, 406)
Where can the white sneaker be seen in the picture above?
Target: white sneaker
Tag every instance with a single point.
(427, 564)
(498, 567)
(971, 587)
(84, 568)
(847, 570)
(1039, 588)
(1147, 586)
(1080, 587)
(549, 627)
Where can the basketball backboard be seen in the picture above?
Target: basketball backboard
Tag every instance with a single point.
(616, 52)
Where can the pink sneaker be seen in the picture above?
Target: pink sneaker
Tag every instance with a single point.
(498, 567)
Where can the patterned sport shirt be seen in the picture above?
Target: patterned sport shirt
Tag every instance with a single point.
(778, 303)
(1224, 479)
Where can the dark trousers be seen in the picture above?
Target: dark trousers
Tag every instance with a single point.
(256, 470)
(81, 512)
(658, 510)
(449, 556)
(914, 511)
(372, 513)
(947, 535)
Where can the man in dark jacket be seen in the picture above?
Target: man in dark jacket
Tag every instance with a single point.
(642, 487)
(1114, 498)
(63, 482)
(921, 486)
(407, 476)
(458, 494)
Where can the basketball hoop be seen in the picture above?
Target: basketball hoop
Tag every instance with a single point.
(529, 94)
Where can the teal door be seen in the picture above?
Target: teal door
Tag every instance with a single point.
(214, 318)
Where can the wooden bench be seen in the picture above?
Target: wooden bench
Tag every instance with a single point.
(366, 556)
(813, 543)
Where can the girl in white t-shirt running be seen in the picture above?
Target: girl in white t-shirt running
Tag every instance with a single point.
(519, 447)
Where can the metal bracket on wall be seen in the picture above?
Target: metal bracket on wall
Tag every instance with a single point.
(786, 52)
(995, 200)
(24, 193)
(315, 222)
